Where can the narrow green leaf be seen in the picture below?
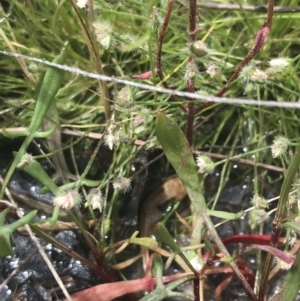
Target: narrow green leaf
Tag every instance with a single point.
(147, 242)
(22, 221)
(225, 215)
(291, 225)
(210, 247)
(160, 293)
(179, 154)
(35, 169)
(5, 245)
(163, 235)
(7, 230)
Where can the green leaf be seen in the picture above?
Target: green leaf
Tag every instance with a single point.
(209, 246)
(179, 154)
(35, 169)
(147, 242)
(163, 235)
(225, 215)
(162, 292)
(291, 225)
(7, 230)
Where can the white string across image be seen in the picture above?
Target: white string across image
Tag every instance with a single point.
(224, 100)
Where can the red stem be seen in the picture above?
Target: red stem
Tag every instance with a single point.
(258, 45)
(190, 82)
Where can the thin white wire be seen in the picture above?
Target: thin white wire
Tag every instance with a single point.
(211, 98)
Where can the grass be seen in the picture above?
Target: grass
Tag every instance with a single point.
(124, 44)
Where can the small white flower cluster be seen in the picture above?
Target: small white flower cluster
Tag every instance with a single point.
(252, 76)
(113, 139)
(67, 199)
(279, 146)
(191, 71)
(213, 70)
(122, 184)
(103, 32)
(259, 213)
(278, 64)
(95, 199)
(82, 3)
(259, 202)
(125, 99)
(205, 164)
(114, 134)
(258, 75)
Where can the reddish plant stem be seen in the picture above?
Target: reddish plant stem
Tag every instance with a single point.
(258, 45)
(270, 13)
(245, 239)
(158, 65)
(268, 263)
(250, 239)
(220, 288)
(190, 122)
(190, 82)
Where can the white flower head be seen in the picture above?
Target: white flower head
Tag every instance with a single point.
(261, 216)
(121, 184)
(279, 146)
(291, 239)
(82, 3)
(125, 99)
(258, 76)
(103, 32)
(67, 200)
(191, 70)
(213, 70)
(259, 202)
(278, 64)
(205, 164)
(95, 199)
(112, 139)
